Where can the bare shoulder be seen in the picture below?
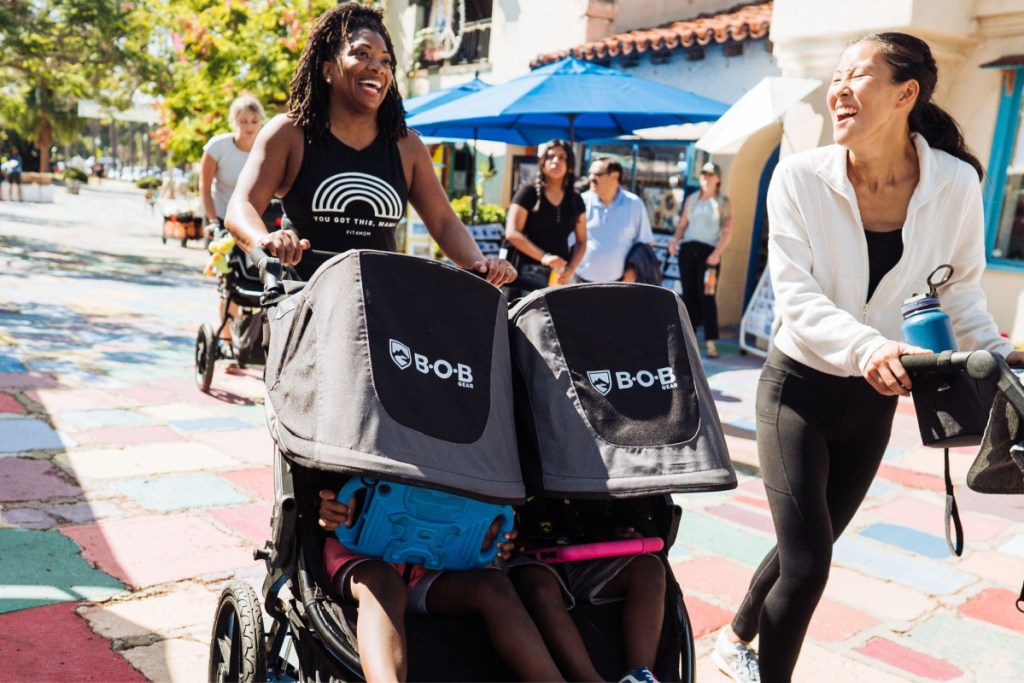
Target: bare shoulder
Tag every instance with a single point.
(414, 154)
(411, 146)
(281, 130)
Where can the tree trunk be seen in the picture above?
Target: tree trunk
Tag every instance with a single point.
(44, 140)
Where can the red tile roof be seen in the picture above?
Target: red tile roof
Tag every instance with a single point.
(746, 22)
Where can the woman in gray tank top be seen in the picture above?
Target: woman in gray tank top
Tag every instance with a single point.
(703, 233)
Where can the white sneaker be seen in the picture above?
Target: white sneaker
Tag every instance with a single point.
(736, 660)
(641, 675)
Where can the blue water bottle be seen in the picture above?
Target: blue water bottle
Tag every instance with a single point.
(924, 322)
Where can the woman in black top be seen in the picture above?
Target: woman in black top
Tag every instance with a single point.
(343, 163)
(342, 160)
(544, 214)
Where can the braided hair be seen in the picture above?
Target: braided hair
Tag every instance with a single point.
(570, 162)
(911, 58)
(308, 101)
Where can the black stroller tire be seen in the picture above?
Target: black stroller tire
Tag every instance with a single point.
(238, 645)
(206, 357)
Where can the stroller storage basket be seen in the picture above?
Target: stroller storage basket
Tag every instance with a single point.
(611, 397)
(398, 368)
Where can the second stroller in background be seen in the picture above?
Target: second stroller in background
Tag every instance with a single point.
(240, 290)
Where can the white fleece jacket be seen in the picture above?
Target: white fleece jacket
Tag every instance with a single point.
(818, 260)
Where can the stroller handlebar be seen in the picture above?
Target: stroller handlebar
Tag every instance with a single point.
(980, 365)
(269, 269)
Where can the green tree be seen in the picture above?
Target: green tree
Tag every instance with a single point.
(218, 49)
(55, 52)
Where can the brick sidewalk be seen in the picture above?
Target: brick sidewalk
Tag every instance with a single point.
(128, 498)
(898, 606)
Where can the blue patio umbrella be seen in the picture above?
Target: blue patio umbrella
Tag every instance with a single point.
(436, 98)
(567, 99)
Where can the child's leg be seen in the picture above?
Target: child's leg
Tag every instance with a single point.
(642, 584)
(542, 595)
(488, 594)
(381, 595)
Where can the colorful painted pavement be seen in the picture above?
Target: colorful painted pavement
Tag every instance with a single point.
(128, 498)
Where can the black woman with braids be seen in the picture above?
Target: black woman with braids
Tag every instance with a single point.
(344, 165)
(342, 159)
(541, 218)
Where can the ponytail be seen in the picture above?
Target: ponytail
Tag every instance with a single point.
(942, 132)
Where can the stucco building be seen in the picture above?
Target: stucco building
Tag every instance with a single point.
(721, 50)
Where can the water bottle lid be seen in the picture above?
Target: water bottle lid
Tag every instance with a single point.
(918, 302)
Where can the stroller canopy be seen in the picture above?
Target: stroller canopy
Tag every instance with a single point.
(398, 367)
(999, 466)
(611, 396)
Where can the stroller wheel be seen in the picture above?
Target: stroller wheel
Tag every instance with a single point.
(238, 648)
(206, 357)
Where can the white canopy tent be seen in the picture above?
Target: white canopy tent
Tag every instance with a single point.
(765, 103)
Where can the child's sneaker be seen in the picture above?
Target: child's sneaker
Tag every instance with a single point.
(640, 675)
(736, 660)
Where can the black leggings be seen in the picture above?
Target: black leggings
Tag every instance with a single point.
(700, 307)
(820, 439)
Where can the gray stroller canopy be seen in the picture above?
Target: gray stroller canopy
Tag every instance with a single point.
(397, 367)
(611, 395)
(999, 466)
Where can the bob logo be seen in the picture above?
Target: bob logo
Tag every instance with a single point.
(400, 354)
(404, 357)
(602, 380)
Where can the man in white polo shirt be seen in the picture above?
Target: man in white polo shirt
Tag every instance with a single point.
(616, 220)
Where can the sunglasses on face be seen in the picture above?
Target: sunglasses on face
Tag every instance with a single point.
(597, 174)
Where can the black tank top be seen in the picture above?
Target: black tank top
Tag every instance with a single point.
(346, 199)
(885, 249)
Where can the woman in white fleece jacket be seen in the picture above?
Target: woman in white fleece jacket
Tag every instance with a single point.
(856, 228)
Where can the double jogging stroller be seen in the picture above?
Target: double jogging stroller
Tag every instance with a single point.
(401, 368)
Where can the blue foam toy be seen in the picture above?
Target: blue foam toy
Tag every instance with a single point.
(400, 523)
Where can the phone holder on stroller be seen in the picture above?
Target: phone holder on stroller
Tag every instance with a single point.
(435, 529)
